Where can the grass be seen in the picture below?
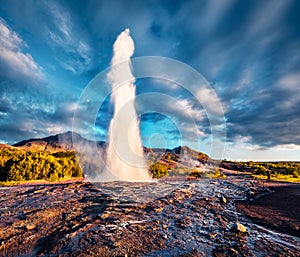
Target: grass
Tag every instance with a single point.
(212, 174)
(15, 183)
(279, 178)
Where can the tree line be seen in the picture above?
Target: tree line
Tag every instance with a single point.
(21, 165)
(275, 168)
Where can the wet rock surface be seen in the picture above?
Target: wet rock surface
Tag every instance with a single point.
(195, 218)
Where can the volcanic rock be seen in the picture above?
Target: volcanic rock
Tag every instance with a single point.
(223, 199)
(21, 215)
(238, 227)
(31, 227)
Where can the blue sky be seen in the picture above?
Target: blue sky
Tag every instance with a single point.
(247, 50)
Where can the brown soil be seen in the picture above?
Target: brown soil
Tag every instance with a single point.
(279, 210)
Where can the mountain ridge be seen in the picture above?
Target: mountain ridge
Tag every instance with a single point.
(64, 141)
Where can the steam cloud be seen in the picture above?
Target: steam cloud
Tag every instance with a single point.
(124, 153)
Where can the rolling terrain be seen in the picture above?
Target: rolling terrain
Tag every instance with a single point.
(193, 209)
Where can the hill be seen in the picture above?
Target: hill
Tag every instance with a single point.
(179, 160)
(64, 142)
(58, 142)
(5, 147)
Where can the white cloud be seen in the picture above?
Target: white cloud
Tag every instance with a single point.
(210, 101)
(11, 54)
(65, 36)
(186, 108)
(287, 147)
(182, 110)
(242, 150)
(267, 16)
(52, 129)
(192, 131)
(290, 84)
(213, 12)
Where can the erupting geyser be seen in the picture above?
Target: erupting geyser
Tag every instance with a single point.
(124, 153)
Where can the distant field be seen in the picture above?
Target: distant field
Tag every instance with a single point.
(279, 171)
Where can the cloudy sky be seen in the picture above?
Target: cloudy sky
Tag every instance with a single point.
(248, 51)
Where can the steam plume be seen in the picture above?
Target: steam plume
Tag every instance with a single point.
(124, 154)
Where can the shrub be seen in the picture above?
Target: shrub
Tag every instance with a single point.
(19, 165)
(158, 170)
(53, 177)
(218, 174)
(261, 170)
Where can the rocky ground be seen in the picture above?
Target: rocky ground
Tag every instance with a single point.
(187, 218)
(279, 210)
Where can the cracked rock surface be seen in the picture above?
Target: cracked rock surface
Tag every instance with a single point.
(191, 218)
